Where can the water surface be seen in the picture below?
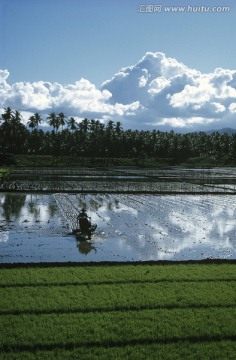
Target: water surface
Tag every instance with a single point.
(35, 228)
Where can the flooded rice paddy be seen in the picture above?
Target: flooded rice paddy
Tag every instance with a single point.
(35, 227)
(121, 180)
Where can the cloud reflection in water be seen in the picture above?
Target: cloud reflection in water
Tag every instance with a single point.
(129, 227)
(173, 227)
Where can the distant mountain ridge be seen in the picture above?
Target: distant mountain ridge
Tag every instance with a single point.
(228, 131)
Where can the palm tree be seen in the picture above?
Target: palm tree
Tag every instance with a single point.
(118, 128)
(61, 117)
(14, 133)
(34, 121)
(53, 120)
(110, 127)
(16, 117)
(84, 126)
(36, 138)
(8, 115)
(72, 124)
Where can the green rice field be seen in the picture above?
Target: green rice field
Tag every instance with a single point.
(118, 311)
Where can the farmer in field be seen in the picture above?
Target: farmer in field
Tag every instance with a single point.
(83, 221)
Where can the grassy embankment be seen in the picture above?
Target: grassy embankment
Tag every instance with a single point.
(177, 311)
(4, 172)
(46, 160)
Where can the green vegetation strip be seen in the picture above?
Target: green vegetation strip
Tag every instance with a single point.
(122, 312)
(4, 172)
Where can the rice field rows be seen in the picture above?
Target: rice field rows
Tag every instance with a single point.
(176, 180)
(115, 186)
(130, 227)
(118, 312)
(149, 227)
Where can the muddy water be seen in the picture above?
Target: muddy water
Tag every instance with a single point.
(35, 228)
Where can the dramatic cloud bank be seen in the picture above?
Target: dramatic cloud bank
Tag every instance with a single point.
(156, 93)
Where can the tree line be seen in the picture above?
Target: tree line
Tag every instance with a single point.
(93, 138)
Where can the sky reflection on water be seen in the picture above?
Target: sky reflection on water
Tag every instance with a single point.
(34, 228)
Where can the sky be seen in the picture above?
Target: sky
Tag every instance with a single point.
(164, 65)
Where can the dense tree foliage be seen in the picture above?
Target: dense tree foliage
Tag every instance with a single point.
(93, 138)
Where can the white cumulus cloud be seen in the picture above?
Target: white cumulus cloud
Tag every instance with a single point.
(157, 92)
(79, 99)
(232, 107)
(173, 95)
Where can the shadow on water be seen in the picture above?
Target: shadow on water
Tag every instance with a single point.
(85, 247)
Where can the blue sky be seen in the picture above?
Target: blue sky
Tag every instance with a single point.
(66, 55)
